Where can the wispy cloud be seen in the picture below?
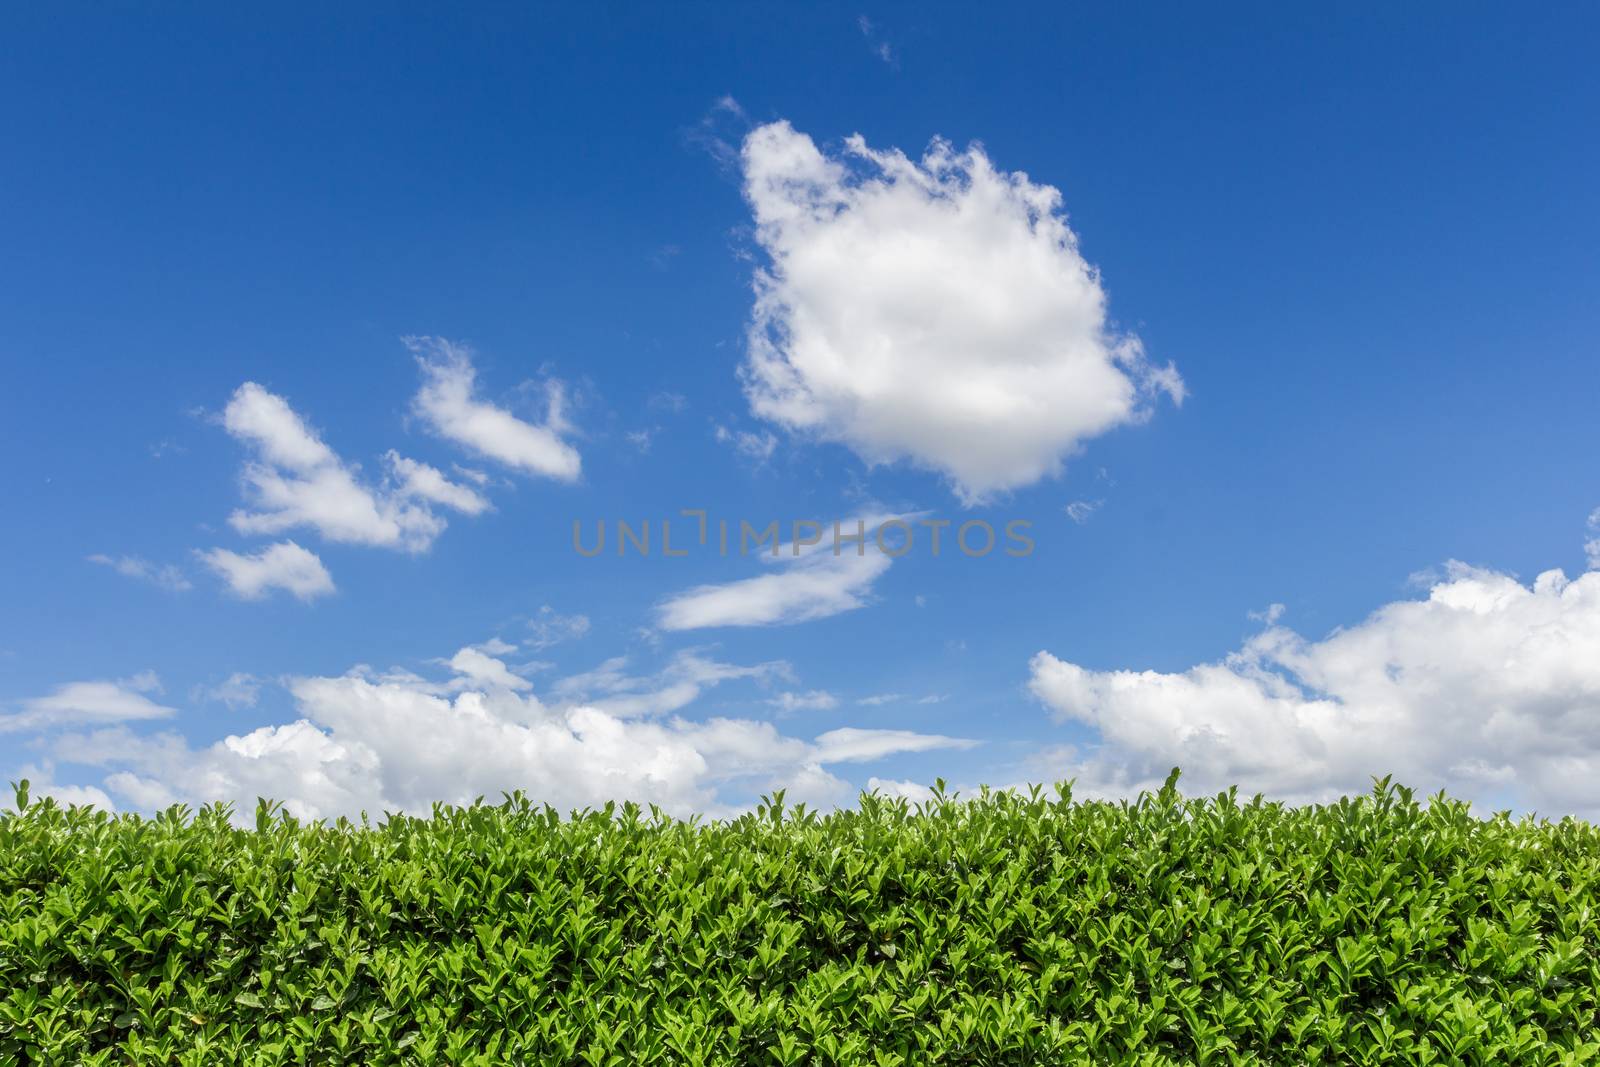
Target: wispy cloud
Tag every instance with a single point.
(237, 691)
(90, 703)
(549, 627)
(852, 744)
(755, 447)
(813, 700)
(877, 42)
(167, 576)
(611, 688)
(813, 585)
(449, 405)
(718, 132)
(1079, 511)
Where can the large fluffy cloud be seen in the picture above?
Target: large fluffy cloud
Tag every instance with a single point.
(399, 742)
(1488, 687)
(936, 310)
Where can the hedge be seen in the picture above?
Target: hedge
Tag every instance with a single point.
(1004, 928)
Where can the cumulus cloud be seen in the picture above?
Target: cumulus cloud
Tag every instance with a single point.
(814, 584)
(1592, 546)
(166, 576)
(1488, 688)
(295, 480)
(937, 311)
(449, 405)
(399, 743)
(85, 703)
(284, 566)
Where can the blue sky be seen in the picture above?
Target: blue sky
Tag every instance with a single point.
(1362, 241)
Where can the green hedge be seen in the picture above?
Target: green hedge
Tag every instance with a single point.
(1004, 929)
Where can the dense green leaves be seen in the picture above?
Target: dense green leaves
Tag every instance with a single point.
(1005, 929)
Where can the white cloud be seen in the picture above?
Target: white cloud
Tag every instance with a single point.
(851, 744)
(714, 130)
(479, 668)
(610, 688)
(676, 403)
(449, 405)
(1592, 546)
(880, 48)
(935, 311)
(297, 480)
(549, 627)
(41, 784)
(755, 447)
(285, 566)
(813, 585)
(813, 700)
(880, 699)
(1080, 510)
(429, 483)
(915, 792)
(79, 796)
(166, 576)
(1274, 612)
(238, 690)
(399, 743)
(81, 703)
(1487, 688)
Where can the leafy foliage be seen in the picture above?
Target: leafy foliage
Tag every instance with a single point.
(1004, 929)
